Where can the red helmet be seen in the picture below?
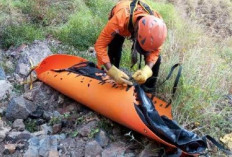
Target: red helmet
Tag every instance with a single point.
(152, 32)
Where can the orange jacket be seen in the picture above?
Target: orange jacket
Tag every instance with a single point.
(119, 24)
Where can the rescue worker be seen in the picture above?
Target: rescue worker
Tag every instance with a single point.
(147, 30)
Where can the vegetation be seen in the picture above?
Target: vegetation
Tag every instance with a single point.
(24, 33)
(30, 125)
(199, 104)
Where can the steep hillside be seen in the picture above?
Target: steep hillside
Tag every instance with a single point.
(199, 37)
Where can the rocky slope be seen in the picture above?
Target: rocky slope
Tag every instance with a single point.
(42, 122)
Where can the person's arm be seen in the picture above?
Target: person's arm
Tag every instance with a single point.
(112, 27)
(103, 41)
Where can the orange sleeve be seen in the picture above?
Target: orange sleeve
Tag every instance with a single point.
(153, 56)
(114, 26)
(103, 40)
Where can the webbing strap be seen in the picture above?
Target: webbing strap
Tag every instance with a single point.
(133, 6)
(88, 69)
(217, 144)
(146, 7)
(176, 80)
(152, 90)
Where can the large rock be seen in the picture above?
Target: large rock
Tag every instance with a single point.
(115, 149)
(5, 90)
(33, 148)
(19, 108)
(17, 135)
(43, 146)
(53, 153)
(3, 133)
(23, 69)
(42, 95)
(86, 129)
(33, 54)
(47, 144)
(10, 149)
(31, 152)
(1, 52)
(72, 147)
(3, 130)
(102, 138)
(2, 74)
(93, 149)
(150, 150)
(19, 125)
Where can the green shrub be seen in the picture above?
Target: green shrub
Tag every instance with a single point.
(18, 34)
(46, 12)
(80, 31)
(85, 25)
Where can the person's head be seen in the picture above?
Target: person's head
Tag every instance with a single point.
(151, 33)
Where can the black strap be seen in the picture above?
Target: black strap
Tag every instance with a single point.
(152, 90)
(140, 61)
(217, 144)
(111, 13)
(176, 80)
(146, 7)
(133, 6)
(88, 69)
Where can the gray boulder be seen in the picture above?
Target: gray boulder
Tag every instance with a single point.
(32, 54)
(2, 74)
(102, 138)
(47, 144)
(5, 90)
(19, 108)
(42, 95)
(19, 125)
(76, 147)
(3, 130)
(31, 152)
(151, 149)
(17, 135)
(115, 149)
(33, 148)
(86, 129)
(93, 149)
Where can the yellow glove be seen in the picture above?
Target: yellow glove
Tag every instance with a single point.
(119, 76)
(142, 75)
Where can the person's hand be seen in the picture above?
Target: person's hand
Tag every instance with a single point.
(141, 75)
(119, 76)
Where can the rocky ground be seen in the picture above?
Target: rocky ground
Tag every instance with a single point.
(42, 122)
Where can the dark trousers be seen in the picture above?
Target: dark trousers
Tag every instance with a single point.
(115, 53)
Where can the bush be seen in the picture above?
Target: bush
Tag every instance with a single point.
(46, 12)
(85, 25)
(18, 34)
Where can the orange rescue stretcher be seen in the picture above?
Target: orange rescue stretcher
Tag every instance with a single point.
(82, 81)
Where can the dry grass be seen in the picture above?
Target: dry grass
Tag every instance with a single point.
(202, 103)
